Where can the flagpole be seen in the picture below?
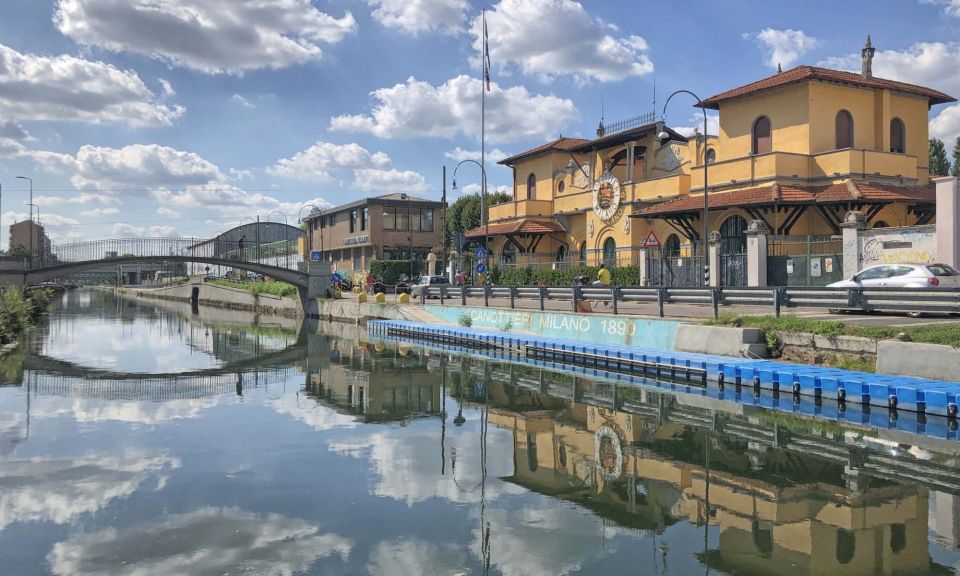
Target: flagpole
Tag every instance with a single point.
(484, 86)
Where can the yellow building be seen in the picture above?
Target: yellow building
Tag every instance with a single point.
(796, 151)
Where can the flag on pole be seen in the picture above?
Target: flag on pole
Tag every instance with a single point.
(486, 54)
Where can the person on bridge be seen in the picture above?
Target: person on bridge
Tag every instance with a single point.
(603, 276)
(240, 243)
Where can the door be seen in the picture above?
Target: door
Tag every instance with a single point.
(873, 277)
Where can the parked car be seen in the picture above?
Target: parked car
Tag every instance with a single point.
(902, 276)
(425, 281)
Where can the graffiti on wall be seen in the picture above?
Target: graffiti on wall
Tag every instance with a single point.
(898, 245)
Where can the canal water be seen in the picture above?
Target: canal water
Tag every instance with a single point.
(146, 438)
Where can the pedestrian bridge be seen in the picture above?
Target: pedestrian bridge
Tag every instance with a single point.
(277, 260)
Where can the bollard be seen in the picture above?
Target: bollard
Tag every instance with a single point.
(541, 290)
(776, 302)
(715, 301)
(443, 293)
(512, 289)
(573, 296)
(661, 296)
(486, 296)
(463, 295)
(613, 298)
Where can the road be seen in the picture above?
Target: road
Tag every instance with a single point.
(701, 311)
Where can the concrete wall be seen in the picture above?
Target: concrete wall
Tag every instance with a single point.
(225, 297)
(898, 245)
(934, 361)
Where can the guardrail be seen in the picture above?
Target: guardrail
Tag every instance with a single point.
(920, 300)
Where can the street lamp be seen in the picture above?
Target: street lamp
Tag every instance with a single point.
(409, 228)
(31, 211)
(662, 134)
(319, 214)
(286, 255)
(483, 193)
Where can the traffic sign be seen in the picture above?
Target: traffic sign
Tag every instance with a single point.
(315, 255)
(480, 253)
(651, 241)
(335, 277)
(481, 267)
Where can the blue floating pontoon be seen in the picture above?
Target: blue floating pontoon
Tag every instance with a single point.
(851, 393)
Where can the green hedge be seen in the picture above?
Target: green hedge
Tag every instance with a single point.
(389, 271)
(620, 276)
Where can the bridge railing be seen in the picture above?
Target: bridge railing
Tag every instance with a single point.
(281, 254)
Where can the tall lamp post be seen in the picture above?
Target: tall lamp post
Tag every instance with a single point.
(31, 212)
(286, 239)
(662, 134)
(409, 228)
(319, 214)
(32, 227)
(483, 193)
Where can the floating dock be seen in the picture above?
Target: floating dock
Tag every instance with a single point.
(849, 392)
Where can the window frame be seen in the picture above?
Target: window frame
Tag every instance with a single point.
(903, 135)
(755, 141)
(389, 217)
(837, 132)
(353, 220)
(531, 186)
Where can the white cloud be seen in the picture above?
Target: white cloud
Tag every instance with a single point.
(414, 556)
(316, 162)
(212, 36)
(387, 181)
(207, 541)
(236, 174)
(946, 126)
(163, 232)
(70, 89)
(60, 490)
(82, 198)
(415, 16)
(475, 189)
(94, 212)
(240, 100)
(164, 211)
(783, 47)
(548, 38)
(139, 167)
(695, 124)
(459, 154)
(950, 7)
(45, 160)
(123, 229)
(416, 109)
(230, 200)
(923, 63)
(13, 131)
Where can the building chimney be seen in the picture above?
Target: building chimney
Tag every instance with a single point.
(866, 56)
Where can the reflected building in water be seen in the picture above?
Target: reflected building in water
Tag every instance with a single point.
(633, 457)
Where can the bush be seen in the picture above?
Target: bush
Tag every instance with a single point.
(620, 276)
(272, 287)
(390, 271)
(465, 320)
(16, 314)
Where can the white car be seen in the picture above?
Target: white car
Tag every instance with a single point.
(903, 276)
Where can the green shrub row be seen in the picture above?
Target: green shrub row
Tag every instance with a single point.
(390, 271)
(619, 276)
(17, 311)
(272, 287)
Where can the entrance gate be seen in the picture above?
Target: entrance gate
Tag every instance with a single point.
(804, 260)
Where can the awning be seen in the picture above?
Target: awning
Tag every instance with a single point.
(521, 227)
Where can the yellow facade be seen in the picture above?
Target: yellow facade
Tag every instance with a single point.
(804, 158)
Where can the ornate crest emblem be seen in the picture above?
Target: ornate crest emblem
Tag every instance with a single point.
(608, 455)
(606, 196)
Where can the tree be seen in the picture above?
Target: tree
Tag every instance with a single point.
(955, 170)
(464, 214)
(939, 165)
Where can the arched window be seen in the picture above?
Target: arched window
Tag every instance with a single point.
(733, 235)
(583, 253)
(844, 130)
(671, 248)
(898, 138)
(561, 186)
(610, 252)
(509, 253)
(561, 253)
(762, 140)
(846, 546)
(711, 156)
(880, 224)
(531, 186)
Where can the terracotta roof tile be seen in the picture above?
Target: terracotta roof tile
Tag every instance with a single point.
(521, 227)
(868, 193)
(558, 144)
(804, 73)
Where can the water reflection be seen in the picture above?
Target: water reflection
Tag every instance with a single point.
(297, 449)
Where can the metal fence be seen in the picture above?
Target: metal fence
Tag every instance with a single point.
(804, 260)
(926, 300)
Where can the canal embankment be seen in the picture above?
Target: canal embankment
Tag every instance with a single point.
(19, 310)
(217, 296)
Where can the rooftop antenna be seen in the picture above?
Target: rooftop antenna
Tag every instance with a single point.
(600, 129)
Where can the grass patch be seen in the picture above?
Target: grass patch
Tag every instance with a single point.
(272, 287)
(948, 334)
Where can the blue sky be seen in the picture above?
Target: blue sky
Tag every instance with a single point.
(163, 117)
